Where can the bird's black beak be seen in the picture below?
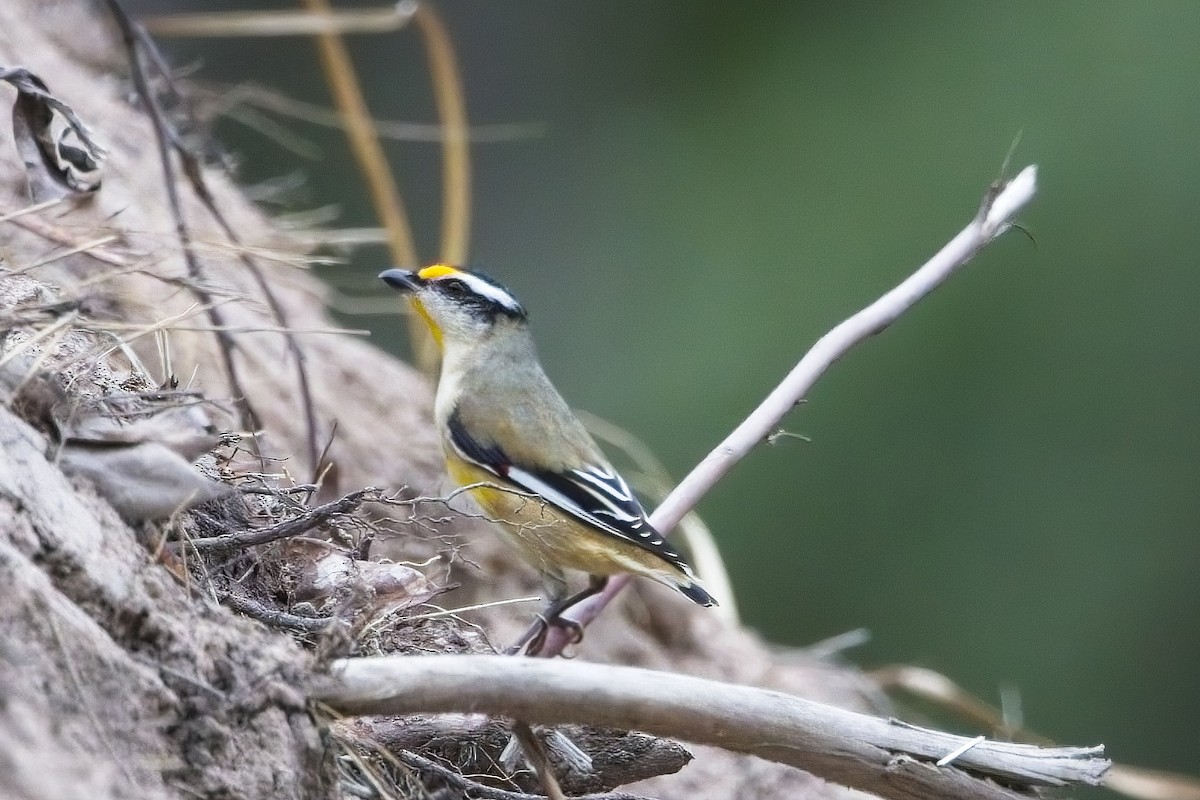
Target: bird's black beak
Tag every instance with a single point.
(401, 280)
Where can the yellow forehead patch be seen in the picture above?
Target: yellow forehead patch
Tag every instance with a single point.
(437, 271)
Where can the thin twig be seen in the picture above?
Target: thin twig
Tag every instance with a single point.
(935, 687)
(348, 97)
(47, 332)
(453, 612)
(76, 250)
(162, 137)
(295, 526)
(50, 232)
(274, 617)
(536, 755)
(129, 326)
(881, 756)
(1001, 203)
(194, 173)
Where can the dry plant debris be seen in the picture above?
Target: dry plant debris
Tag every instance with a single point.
(59, 162)
(260, 545)
(184, 697)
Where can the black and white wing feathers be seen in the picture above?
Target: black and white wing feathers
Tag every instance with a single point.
(594, 494)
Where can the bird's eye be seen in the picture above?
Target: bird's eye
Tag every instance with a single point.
(455, 287)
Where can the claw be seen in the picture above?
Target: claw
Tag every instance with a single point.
(535, 638)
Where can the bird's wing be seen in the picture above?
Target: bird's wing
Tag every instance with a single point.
(593, 493)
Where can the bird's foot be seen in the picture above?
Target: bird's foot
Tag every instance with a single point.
(534, 639)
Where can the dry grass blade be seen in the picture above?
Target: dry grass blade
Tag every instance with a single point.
(77, 249)
(137, 41)
(45, 333)
(281, 23)
(52, 233)
(33, 209)
(1151, 784)
(364, 142)
(265, 98)
(372, 163)
(456, 157)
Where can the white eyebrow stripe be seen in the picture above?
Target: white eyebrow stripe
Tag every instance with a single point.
(485, 289)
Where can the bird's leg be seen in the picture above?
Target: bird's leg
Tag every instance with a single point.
(553, 615)
(536, 637)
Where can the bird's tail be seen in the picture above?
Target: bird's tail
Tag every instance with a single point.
(693, 591)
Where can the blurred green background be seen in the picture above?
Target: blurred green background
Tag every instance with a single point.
(1004, 485)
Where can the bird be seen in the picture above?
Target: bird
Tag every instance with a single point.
(527, 460)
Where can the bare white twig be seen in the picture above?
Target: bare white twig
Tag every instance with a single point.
(1001, 203)
(949, 758)
(881, 756)
(992, 220)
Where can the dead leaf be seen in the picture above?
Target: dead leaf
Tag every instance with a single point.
(59, 163)
(324, 572)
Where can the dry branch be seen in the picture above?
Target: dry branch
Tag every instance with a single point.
(295, 526)
(885, 757)
(1001, 202)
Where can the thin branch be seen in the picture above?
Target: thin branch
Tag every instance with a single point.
(936, 688)
(295, 526)
(162, 136)
(32, 209)
(77, 249)
(881, 756)
(1151, 784)
(274, 617)
(194, 174)
(53, 233)
(364, 142)
(1001, 203)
